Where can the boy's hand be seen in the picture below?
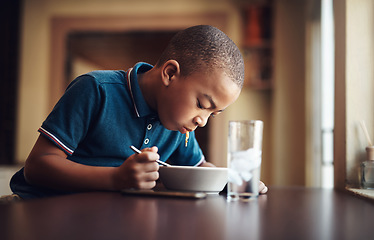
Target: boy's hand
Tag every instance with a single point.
(139, 171)
(262, 188)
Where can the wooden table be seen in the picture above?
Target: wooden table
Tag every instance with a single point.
(284, 213)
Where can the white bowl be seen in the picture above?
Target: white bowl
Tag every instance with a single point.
(194, 179)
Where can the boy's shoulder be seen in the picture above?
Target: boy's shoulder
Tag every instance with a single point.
(97, 79)
(106, 76)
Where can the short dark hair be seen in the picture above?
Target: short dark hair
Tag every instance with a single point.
(205, 48)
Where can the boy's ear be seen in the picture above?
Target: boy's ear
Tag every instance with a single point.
(170, 72)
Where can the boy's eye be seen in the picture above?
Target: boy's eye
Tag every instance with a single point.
(199, 105)
(214, 114)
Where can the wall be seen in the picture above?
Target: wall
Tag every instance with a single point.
(288, 101)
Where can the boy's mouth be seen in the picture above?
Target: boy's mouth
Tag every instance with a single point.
(184, 130)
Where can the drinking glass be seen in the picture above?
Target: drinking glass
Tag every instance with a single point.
(244, 159)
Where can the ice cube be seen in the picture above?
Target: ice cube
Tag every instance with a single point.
(242, 163)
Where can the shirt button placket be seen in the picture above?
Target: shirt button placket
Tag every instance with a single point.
(149, 127)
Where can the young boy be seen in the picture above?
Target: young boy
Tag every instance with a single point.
(84, 143)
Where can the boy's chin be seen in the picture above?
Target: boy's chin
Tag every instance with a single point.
(171, 128)
(181, 130)
(174, 128)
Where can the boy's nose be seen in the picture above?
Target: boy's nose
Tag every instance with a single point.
(201, 121)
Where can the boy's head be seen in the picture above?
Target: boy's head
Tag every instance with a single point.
(202, 73)
(205, 48)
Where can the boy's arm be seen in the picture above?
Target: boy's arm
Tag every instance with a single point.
(206, 164)
(48, 166)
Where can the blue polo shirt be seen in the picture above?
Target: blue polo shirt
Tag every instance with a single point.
(103, 113)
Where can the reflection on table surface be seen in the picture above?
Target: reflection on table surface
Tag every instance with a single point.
(284, 213)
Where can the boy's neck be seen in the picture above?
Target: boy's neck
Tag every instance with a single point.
(148, 83)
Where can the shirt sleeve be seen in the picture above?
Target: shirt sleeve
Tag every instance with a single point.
(187, 156)
(72, 116)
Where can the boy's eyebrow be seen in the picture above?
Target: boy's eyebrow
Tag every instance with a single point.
(212, 103)
(214, 106)
(210, 99)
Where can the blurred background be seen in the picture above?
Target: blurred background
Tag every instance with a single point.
(288, 47)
